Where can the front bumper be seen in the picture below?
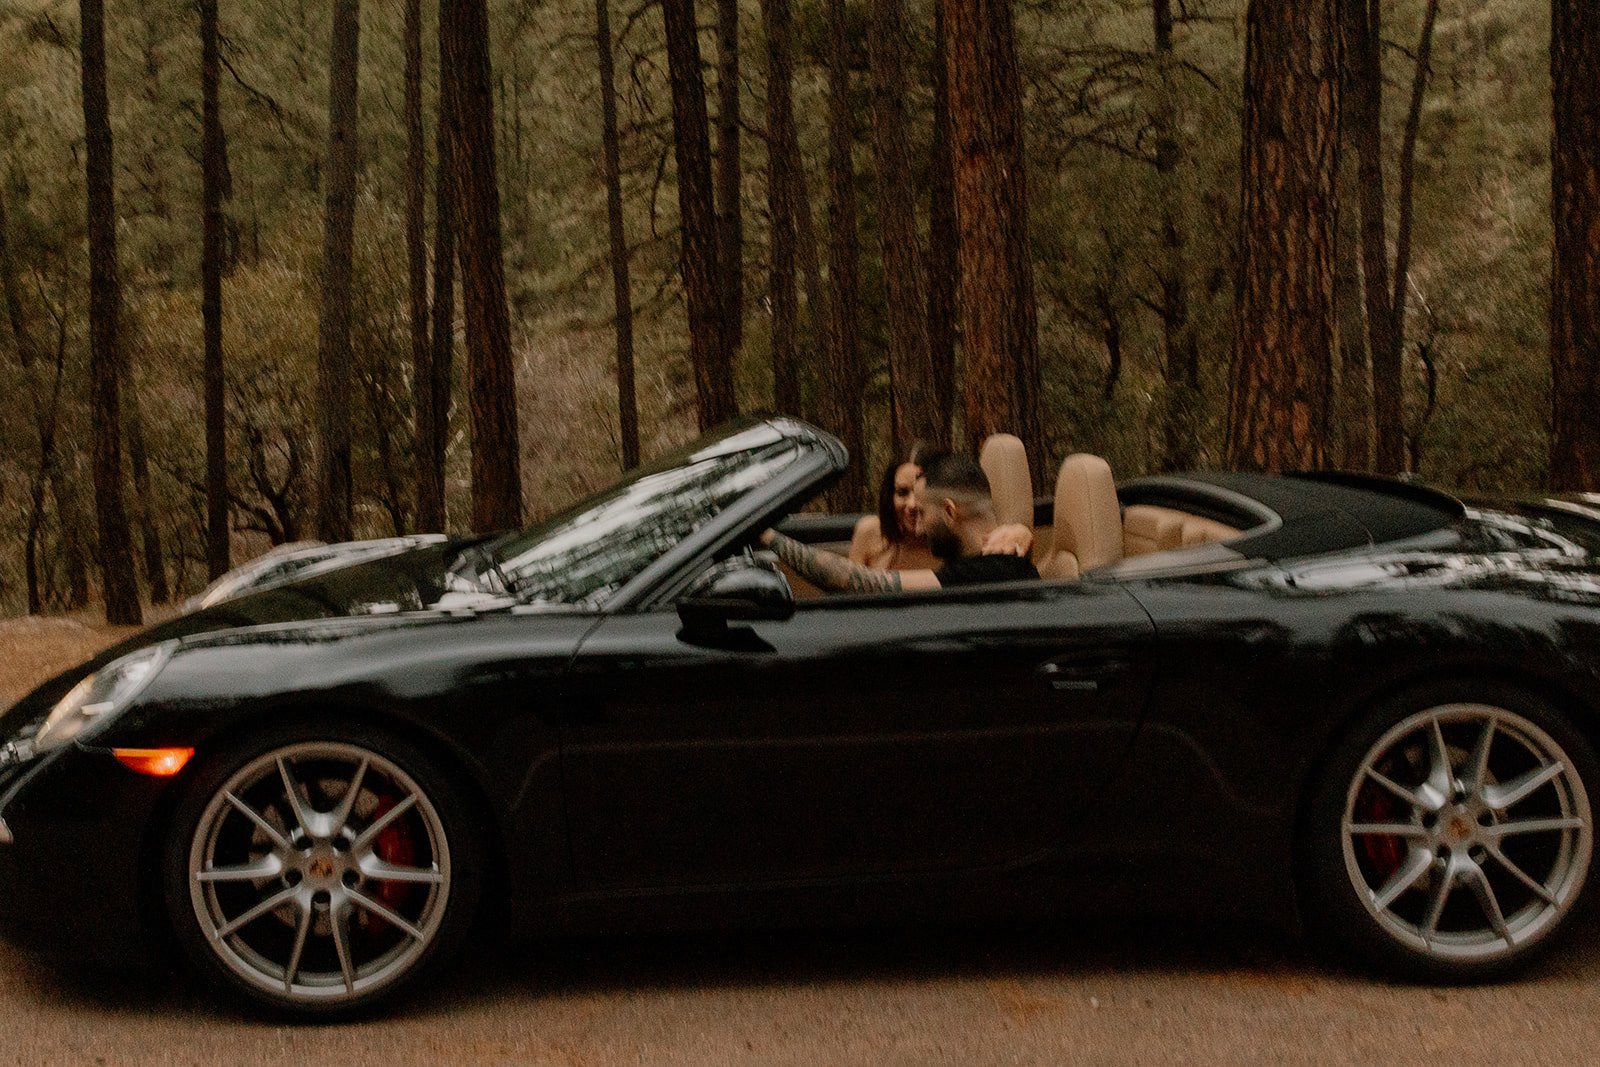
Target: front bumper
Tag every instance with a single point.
(75, 876)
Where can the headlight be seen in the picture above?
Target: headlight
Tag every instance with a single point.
(97, 697)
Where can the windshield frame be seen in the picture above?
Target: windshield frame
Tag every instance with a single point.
(820, 458)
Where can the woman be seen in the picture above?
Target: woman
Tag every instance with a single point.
(889, 540)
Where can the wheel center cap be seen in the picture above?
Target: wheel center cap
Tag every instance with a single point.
(1458, 829)
(321, 868)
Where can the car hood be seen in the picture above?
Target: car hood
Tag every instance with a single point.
(358, 598)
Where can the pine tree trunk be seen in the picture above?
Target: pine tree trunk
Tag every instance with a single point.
(913, 386)
(621, 287)
(709, 352)
(334, 508)
(1000, 332)
(1366, 124)
(492, 396)
(1405, 212)
(438, 392)
(105, 308)
(782, 290)
(944, 266)
(788, 176)
(1284, 327)
(1180, 347)
(840, 382)
(155, 568)
(730, 217)
(428, 479)
(1575, 282)
(212, 168)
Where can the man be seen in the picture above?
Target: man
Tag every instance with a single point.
(954, 513)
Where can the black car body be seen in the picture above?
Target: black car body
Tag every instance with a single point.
(618, 719)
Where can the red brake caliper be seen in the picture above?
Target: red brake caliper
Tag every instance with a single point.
(1383, 852)
(393, 845)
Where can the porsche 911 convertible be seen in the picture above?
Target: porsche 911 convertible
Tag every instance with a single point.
(1355, 706)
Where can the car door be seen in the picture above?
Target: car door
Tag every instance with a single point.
(866, 735)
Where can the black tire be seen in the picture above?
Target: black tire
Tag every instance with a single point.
(1451, 876)
(332, 905)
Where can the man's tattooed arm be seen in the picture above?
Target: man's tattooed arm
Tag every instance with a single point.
(828, 570)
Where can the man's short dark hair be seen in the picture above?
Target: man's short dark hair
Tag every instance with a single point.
(955, 471)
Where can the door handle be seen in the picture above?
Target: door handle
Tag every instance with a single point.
(1080, 674)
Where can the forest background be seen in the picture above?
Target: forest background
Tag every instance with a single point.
(1133, 170)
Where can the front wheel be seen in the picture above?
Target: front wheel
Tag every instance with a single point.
(320, 876)
(1451, 835)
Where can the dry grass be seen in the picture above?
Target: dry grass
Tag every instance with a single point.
(35, 647)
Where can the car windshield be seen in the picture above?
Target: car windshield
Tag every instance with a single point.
(585, 554)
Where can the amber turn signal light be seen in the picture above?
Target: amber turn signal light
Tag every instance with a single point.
(156, 762)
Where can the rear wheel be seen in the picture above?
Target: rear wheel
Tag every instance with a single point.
(1451, 836)
(321, 876)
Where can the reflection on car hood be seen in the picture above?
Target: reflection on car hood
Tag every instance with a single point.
(440, 576)
(301, 559)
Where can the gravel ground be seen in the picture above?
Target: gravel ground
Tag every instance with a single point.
(1148, 992)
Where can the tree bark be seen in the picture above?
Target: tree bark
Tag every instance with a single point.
(334, 507)
(428, 479)
(788, 176)
(1284, 325)
(1180, 347)
(1366, 83)
(944, 266)
(913, 385)
(1000, 333)
(1406, 210)
(105, 308)
(709, 352)
(730, 217)
(492, 397)
(435, 394)
(841, 381)
(782, 290)
(155, 567)
(621, 286)
(212, 177)
(1385, 299)
(1575, 281)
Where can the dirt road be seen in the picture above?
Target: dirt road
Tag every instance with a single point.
(1090, 993)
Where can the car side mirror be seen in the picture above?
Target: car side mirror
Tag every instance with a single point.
(741, 589)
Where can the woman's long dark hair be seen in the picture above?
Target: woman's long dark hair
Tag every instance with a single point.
(888, 521)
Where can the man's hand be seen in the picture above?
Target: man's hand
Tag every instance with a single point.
(1012, 539)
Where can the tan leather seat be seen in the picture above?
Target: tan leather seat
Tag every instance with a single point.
(1087, 528)
(1005, 462)
(1150, 529)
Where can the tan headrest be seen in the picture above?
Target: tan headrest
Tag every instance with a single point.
(1150, 529)
(1088, 520)
(1005, 463)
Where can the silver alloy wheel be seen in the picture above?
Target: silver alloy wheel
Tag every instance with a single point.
(319, 873)
(1467, 832)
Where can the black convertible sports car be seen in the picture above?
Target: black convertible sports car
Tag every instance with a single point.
(1355, 703)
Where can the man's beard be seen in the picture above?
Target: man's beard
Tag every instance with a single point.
(943, 542)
